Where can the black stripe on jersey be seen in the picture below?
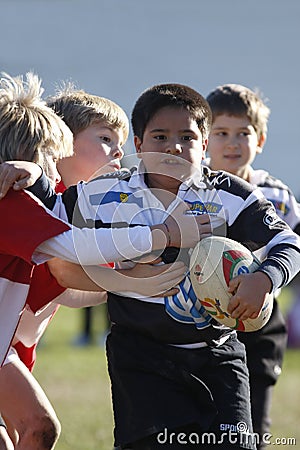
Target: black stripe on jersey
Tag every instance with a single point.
(69, 198)
(297, 229)
(221, 180)
(247, 230)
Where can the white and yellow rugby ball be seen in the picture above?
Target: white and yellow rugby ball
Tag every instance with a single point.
(214, 262)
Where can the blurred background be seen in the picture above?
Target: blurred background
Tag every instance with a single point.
(116, 49)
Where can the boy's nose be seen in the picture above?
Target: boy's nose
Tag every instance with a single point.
(57, 177)
(174, 149)
(232, 141)
(118, 152)
(54, 177)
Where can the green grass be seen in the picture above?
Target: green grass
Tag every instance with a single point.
(76, 382)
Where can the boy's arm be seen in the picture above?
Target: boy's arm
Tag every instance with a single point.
(146, 279)
(74, 298)
(103, 245)
(43, 190)
(31, 232)
(276, 271)
(89, 246)
(179, 229)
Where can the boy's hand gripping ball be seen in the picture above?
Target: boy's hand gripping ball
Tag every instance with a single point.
(214, 262)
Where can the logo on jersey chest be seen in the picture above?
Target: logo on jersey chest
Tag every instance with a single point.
(116, 197)
(198, 207)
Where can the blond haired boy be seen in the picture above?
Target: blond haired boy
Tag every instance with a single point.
(100, 128)
(40, 136)
(94, 121)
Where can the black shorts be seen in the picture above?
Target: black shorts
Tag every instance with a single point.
(158, 388)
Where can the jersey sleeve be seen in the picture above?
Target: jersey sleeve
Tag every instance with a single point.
(43, 190)
(88, 246)
(25, 224)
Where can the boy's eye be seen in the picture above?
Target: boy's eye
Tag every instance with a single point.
(187, 138)
(160, 137)
(105, 139)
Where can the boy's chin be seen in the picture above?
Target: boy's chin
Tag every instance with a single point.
(179, 173)
(171, 178)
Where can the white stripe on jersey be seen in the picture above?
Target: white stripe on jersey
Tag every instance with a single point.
(12, 300)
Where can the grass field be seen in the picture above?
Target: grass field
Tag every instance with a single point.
(76, 381)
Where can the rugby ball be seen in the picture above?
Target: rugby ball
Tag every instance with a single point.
(214, 262)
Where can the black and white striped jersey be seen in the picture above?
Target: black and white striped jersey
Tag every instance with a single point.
(123, 199)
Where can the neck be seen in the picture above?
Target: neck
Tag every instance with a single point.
(164, 188)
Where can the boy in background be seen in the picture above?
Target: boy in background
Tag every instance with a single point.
(238, 135)
(174, 371)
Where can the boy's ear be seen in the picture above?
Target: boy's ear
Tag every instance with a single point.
(204, 148)
(137, 144)
(261, 143)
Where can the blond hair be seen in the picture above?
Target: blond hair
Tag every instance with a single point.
(29, 129)
(79, 110)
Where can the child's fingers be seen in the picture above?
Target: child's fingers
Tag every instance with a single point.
(240, 312)
(9, 177)
(168, 293)
(172, 291)
(169, 275)
(6, 182)
(254, 315)
(174, 271)
(23, 183)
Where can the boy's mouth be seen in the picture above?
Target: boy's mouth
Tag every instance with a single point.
(235, 156)
(171, 161)
(115, 166)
